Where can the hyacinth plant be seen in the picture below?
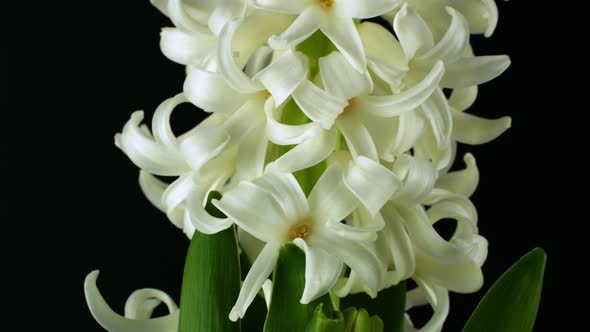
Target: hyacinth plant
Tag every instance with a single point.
(315, 182)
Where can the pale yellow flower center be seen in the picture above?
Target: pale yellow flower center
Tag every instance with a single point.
(301, 230)
(349, 109)
(326, 3)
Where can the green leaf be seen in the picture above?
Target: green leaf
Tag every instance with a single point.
(389, 305)
(286, 313)
(321, 323)
(512, 302)
(211, 281)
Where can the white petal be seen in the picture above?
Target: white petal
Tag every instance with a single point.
(267, 292)
(308, 22)
(283, 75)
(341, 79)
(286, 191)
(391, 75)
(399, 245)
(321, 271)
(357, 136)
(352, 233)
(470, 129)
(363, 219)
(249, 244)
(462, 99)
(185, 16)
(306, 154)
(418, 177)
(427, 148)
(473, 71)
(452, 44)
(364, 9)
(141, 303)
(162, 131)
(198, 217)
(461, 278)
(380, 44)
(329, 199)
(459, 208)
(175, 196)
(358, 256)
(203, 145)
(343, 34)
(430, 244)
(259, 60)
(248, 117)
(145, 152)
(438, 298)
(394, 105)
(251, 155)
(282, 134)
(437, 112)
(209, 91)
(406, 128)
(228, 67)
(153, 189)
(187, 49)
(371, 183)
(412, 32)
(463, 182)
(114, 322)
(317, 104)
(289, 7)
(225, 11)
(482, 15)
(349, 285)
(361, 225)
(255, 210)
(257, 28)
(256, 277)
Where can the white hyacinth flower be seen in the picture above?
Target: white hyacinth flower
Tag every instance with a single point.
(138, 310)
(482, 15)
(353, 122)
(204, 158)
(283, 214)
(403, 62)
(333, 17)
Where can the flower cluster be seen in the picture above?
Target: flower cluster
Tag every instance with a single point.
(333, 125)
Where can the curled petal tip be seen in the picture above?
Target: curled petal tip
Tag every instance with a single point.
(507, 121)
(235, 314)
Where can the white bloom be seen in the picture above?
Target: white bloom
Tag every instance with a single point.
(333, 17)
(342, 81)
(410, 247)
(402, 63)
(283, 214)
(204, 158)
(194, 39)
(138, 310)
(482, 15)
(196, 16)
(471, 129)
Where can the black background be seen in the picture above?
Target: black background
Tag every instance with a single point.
(75, 71)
